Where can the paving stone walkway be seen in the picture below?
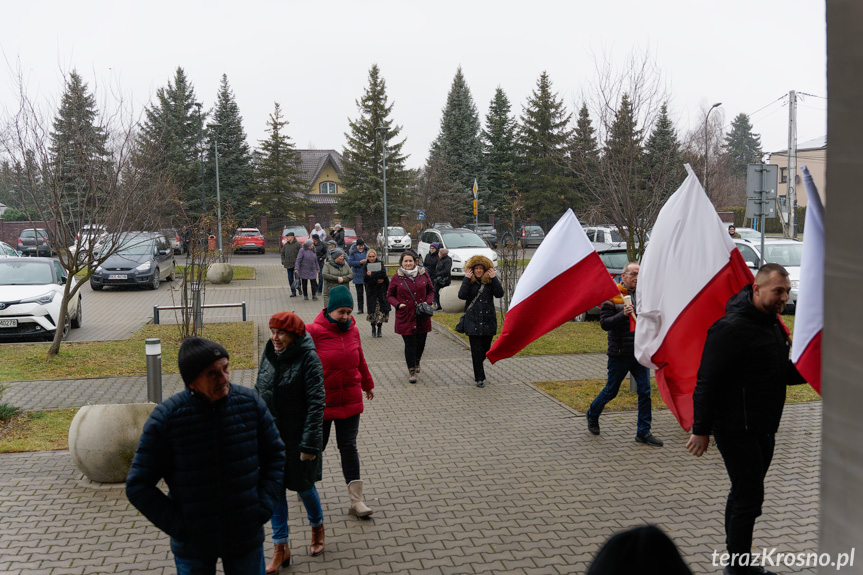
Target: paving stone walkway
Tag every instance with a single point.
(462, 480)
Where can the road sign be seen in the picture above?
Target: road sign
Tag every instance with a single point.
(754, 209)
(761, 178)
(474, 207)
(421, 215)
(475, 190)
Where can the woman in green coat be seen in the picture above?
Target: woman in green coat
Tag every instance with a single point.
(291, 383)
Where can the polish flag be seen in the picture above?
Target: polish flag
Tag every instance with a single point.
(689, 270)
(809, 321)
(564, 278)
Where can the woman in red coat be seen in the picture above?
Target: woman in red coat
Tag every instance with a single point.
(411, 286)
(346, 377)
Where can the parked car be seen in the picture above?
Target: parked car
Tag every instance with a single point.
(748, 233)
(248, 240)
(461, 243)
(34, 242)
(31, 292)
(142, 259)
(781, 251)
(530, 235)
(485, 231)
(615, 259)
(86, 240)
(397, 237)
(605, 236)
(350, 237)
(300, 233)
(7, 251)
(173, 240)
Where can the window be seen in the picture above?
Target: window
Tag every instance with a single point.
(749, 255)
(783, 175)
(328, 187)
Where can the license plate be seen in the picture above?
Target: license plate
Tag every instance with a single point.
(118, 277)
(250, 244)
(8, 323)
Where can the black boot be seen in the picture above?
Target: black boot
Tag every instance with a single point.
(379, 331)
(374, 331)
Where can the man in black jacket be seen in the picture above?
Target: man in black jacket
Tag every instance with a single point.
(442, 275)
(614, 317)
(339, 236)
(321, 251)
(218, 449)
(739, 396)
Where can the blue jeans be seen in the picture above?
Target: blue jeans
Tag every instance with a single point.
(321, 279)
(251, 563)
(279, 521)
(618, 367)
(291, 280)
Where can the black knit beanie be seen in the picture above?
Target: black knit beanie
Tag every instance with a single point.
(197, 354)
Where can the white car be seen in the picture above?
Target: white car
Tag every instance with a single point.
(462, 245)
(7, 251)
(87, 240)
(31, 290)
(397, 237)
(603, 237)
(781, 251)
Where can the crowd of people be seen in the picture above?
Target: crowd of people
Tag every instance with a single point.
(228, 454)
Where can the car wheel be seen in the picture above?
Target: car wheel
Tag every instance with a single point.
(95, 287)
(76, 322)
(580, 317)
(170, 277)
(67, 325)
(154, 285)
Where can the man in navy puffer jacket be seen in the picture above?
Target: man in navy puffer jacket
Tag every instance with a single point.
(217, 447)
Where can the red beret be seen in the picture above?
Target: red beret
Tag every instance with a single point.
(288, 321)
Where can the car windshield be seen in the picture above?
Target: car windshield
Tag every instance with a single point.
(615, 236)
(614, 260)
(787, 255)
(249, 233)
(133, 246)
(31, 233)
(748, 234)
(463, 240)
(350, 232)
(533, 228)
(298, 230)
(486, 227)
(396, 232)
(25, 273)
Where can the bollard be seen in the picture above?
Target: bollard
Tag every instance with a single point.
(633, 387)
(153, 348)
(197, 310)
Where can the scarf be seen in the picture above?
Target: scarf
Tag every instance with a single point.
(411, 274)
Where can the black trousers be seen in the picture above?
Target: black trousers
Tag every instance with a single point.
(360, 298)
(415, 344)
(305, 287)
(479, 346)
(747, 457)
(346, 441)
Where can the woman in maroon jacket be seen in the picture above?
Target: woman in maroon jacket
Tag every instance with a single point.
(346, 377)
(411, 286)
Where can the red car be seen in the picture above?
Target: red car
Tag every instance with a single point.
(350, 237)
(248, 240)
(300, 233)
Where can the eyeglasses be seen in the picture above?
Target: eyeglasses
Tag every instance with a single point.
(631, 273)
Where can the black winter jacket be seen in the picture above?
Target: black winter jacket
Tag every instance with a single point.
(223, 463)
(442, 274)
(321, 252)
(430, 264)
(292, 386)
(481, 319)
(621, 341)
(744, 370)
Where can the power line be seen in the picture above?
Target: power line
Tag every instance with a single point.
(811, 95)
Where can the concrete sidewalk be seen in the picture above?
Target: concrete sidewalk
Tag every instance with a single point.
(462, 480)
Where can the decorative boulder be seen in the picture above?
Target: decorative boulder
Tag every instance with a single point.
(449, 298)
(220, 273)
(103, 439)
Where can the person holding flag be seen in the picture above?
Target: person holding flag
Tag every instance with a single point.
(617, 317)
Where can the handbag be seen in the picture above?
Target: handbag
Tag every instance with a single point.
(295, 285)
(423, 309)
(459, 327)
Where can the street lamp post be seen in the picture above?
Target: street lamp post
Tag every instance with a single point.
(706, 146)
(201, 148)
(218, 199)
(382, 131)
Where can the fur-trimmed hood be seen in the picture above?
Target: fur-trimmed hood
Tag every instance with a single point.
(479, 261)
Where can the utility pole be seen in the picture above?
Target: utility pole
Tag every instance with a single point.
(382, 131)
(791, 194)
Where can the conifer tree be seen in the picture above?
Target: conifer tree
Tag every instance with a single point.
(547, 186)
(235, 158)
(583, 152)
(499, 140)
(742, 146)
(664, 169)
(171, 135)
(362, 174)
(278, 183)
(460, 146)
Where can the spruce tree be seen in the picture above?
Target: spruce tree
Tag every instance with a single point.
(278, 184)
(235, 158)
(170, 137)
(362, 164)
(742, 146)
(461, 147)
(548, 188)
(583, 153)
(664, 169)
(499, 140)
(78, 146)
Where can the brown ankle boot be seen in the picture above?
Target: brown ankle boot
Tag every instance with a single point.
(412, 378)
(281, 558)
(317, 546)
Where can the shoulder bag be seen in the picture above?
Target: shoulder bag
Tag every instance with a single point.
(423, 309)
(459, 327)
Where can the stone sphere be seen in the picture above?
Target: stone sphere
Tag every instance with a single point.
(449, 297)
(103, 439)
(220, 273)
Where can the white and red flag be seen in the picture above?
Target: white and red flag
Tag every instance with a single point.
(809, 320)
(564, 278)
(689, 270)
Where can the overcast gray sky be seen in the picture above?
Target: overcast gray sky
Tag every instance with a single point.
(313, 57)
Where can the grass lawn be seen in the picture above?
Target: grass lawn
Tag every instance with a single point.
(36, 431)
(571, 337)
(24, 362)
